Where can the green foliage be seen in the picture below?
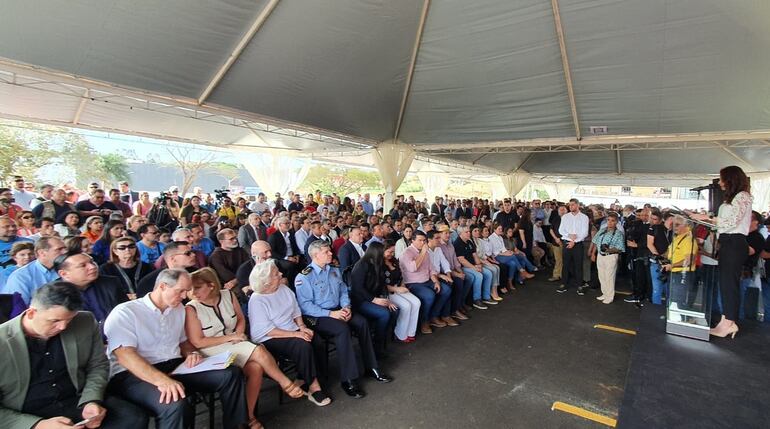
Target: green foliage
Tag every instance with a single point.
(25, 151)
(341, 180)
(22, 153)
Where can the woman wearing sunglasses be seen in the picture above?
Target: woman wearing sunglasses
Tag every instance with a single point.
(25, 220)
(125, 265)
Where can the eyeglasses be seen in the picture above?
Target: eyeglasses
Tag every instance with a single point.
(188, 253)
(27, 217)
(126, 247)
(152, 232)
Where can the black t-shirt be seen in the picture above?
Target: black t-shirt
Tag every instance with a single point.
(756, 242)
(49, 380)
(465, 249)
(507, 220)
(87, 206)
(636, 231)
(662, 238)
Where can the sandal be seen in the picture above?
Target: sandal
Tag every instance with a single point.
(319, 398)
(294, 390)
(254, 422)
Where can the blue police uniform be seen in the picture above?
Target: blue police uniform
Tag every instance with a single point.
(320, 291)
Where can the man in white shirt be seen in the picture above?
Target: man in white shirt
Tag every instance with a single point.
(444, 273)
(303, 233)
(146, 341)
(21, 196)
(573, 232)
(260, 206)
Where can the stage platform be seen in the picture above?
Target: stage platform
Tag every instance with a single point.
(676, 382)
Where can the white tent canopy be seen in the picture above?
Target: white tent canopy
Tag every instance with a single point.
(497, 86)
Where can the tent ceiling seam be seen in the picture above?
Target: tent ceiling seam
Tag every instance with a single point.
(236, 53)
(410, 72)
(566, 67)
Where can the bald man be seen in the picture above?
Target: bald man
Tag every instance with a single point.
(260, 252)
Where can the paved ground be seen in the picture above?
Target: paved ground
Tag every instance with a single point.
(502, 369)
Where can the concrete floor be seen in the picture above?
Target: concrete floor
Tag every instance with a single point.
(504, 368)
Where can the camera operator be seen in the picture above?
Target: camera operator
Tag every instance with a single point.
(681, 263)
(610, 243)
(226, 208)
(164, 212)
(659, 237)
(638, 254)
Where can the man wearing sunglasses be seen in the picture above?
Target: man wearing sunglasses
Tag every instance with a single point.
(178, 255)
(149, 247)
(97, 205)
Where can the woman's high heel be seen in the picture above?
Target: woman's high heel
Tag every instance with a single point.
(722, 333)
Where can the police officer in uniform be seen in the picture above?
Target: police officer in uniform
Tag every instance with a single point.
(323, 298)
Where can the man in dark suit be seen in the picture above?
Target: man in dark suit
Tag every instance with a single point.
(285, 251)
(53, 344)
(251, 232)
(127, 195)
(100, 293)
(352, 250)
(437, 209)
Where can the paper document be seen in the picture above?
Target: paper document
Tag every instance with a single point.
(220, 361)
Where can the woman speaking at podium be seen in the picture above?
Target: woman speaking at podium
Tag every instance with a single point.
(732, 222)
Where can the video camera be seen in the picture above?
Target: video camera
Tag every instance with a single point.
(661, 261)
(220, 195)
(163, 198)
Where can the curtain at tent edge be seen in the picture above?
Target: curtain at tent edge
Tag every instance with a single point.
(515, 182)
(276, 173)
(393, 161)
(760, 190)
(434, 184)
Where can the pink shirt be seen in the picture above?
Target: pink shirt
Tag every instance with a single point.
(409, 269)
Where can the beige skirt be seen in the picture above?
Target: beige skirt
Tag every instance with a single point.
(242, 351)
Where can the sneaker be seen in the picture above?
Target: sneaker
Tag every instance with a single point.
(489, 302)
(480, 305)
(600, 298)
(631, 300)
(581, 290)
(554, 279)
(561, 289)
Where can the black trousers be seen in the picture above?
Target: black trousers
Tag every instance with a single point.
(297, 350)
(572, 268)
(341, 332)
(641, 277)
(179, 415)
(120, 414)
(733, 250)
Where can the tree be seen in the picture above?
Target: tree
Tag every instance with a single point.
(189, 164)
(23, 153)
(340, 180)
(111, 168)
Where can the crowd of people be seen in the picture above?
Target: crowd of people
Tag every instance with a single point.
(110, 293)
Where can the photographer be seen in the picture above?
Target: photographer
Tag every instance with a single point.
(227, 209)
(164, 212)
(682, 257)
(610, 243)
(639, 255)
(659, 237)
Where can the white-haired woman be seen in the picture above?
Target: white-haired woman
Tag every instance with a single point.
(276, 322)
(214, 323)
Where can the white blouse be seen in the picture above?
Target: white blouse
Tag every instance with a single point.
(735, 217)
(496, 244)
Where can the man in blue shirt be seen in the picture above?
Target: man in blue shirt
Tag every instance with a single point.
(149, 247)
(8, 236)
(324, 301)
(201, 243)
(31, 277)
(367, 205)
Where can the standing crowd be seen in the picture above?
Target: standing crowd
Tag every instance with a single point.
(107, 296)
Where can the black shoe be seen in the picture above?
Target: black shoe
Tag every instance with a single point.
(631, 300)
(480, 305)
(581, 290)
(352, 390)
(377, 375)
(561, 289)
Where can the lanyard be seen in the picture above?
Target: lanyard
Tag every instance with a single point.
(137, 273)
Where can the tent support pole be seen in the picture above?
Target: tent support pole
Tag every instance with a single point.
(565, 66)
(255, 26)
(81, 107)
(410, 72)
(620, 165)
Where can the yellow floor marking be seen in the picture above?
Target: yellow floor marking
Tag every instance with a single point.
(571, 409)
(614, 329)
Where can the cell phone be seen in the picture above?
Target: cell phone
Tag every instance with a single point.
(82, 422)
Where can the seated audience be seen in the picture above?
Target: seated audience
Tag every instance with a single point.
(369, 295)
(8, 237)
(113, 230)
(353, 250)
(146, 341)
(149, 246)
(69, 226)
(323, 298)
(25, 223)
(56, 208)
(285, 250)
(214, 323)
(54, 343)
(26, 280)
(225, 260)
(93, 229)
(178, 255)
(100, 293)
(124, 264)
